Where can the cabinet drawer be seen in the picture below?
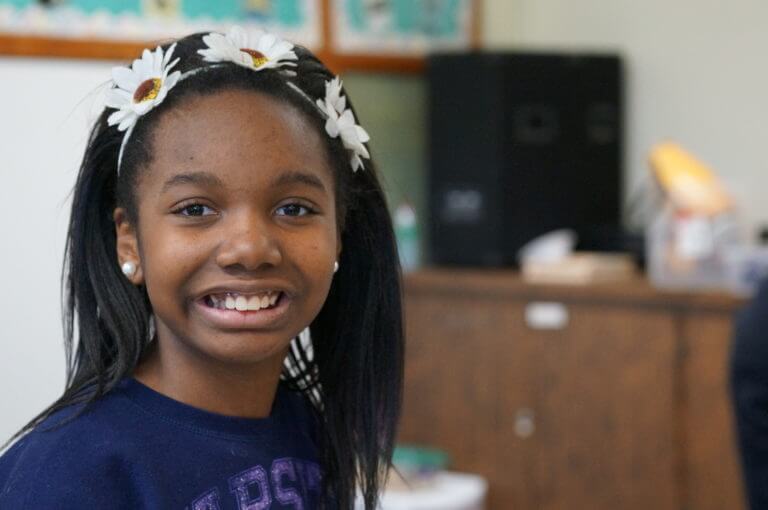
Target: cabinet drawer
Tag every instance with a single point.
(571, 409)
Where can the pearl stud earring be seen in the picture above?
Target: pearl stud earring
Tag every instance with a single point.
(129, 268)
(335, 266)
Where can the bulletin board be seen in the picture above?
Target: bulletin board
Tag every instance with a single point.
(346, 34)
(141, 20)
(403, 27)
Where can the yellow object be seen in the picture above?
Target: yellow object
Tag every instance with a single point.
(161, 8)
(691, 186)
(258, 6)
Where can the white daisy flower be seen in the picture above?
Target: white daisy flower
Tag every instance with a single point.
(141, 87)
(343, 124)
(256, 50)
(333, 94)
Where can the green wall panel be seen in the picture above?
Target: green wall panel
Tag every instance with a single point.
(392, 108)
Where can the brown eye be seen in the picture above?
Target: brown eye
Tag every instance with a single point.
(195, 210)
(293, 210)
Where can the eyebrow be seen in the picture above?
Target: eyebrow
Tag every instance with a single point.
(296, 177)
(208, 179)
(199, 178)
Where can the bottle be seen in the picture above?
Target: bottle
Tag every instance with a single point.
(407, 235)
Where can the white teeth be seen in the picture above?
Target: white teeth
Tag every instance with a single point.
(233, 301)
(254, 303)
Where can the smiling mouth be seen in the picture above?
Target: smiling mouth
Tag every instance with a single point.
(244, 302)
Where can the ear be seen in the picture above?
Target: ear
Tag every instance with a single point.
(127, 244)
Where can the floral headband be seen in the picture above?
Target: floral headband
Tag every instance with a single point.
(144, 85)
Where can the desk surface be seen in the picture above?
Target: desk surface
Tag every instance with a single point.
(509, 284)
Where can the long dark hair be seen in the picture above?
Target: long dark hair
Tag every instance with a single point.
(353, 374)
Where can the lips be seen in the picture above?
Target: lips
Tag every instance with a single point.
(244, 307)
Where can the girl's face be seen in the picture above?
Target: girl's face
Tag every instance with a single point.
(236, 208)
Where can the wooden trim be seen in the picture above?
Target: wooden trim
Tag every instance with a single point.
(326, 30)
(37, 46)
(343, 63)
(476, 30)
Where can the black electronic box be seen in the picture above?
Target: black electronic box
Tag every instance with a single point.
(521, 144)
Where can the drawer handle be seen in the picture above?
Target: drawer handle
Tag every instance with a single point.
(546, 315)
(525, 423)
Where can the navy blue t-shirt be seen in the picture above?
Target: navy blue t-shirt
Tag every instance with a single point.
(136, 448)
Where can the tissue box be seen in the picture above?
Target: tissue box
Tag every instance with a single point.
(581, 268)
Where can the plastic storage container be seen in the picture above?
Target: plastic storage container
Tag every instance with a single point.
(689, 251)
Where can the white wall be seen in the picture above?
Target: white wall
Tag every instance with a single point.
(697, 73)
(43, 127)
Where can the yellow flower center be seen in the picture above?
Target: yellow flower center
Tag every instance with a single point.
(258, 58)
(147, 90)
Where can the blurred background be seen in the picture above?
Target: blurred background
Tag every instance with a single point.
(577, 189)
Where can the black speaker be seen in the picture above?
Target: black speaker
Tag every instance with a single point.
(521, 144)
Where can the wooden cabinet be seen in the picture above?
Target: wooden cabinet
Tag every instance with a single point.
(568, 398)
(713, 480)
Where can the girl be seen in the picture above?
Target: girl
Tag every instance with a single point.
(232, 314)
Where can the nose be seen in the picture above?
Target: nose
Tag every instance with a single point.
(249, 244)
